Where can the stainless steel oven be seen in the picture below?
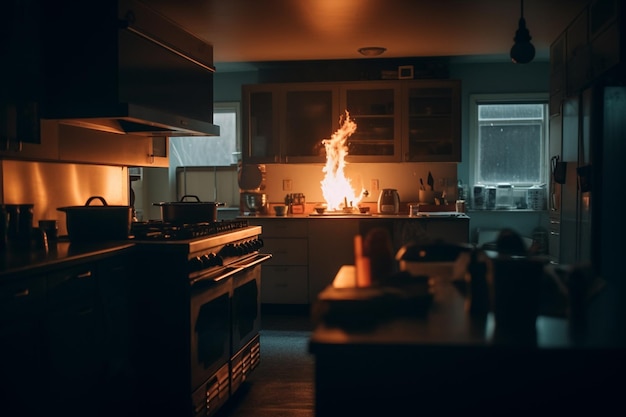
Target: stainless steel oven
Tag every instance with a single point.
(197, 314)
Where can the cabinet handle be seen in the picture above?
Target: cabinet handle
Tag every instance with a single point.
(555, 234)
(84, 275)
(23, 293)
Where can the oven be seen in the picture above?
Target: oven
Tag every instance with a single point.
(196, 314)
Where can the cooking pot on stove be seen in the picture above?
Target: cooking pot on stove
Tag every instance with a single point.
(96, 223)
(187, 212)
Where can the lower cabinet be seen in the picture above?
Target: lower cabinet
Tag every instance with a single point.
(284, 278)
(22, 358)
(63, 350)
(308, 252)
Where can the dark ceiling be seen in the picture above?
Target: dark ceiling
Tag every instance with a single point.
(244, 31)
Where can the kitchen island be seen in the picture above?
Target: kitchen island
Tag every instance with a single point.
(308, 249)
(444, 362)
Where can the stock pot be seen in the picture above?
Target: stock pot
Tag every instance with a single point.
(96, 223)
(188, 212)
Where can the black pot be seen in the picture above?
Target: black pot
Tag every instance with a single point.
(188, 212)
(97, 223)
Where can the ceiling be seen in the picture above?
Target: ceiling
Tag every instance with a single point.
(248, 31)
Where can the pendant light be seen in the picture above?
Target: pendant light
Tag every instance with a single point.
(522, 51)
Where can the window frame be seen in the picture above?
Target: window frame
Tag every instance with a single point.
(505, 98)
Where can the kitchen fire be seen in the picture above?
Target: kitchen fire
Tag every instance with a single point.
(197, 313)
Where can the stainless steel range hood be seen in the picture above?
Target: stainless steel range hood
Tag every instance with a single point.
(121, 67)
(138, 120)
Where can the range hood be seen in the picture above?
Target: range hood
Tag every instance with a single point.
(121, 67)
(142, 121)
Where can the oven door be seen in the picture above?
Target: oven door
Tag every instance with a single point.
(210, 325)
(247, 301)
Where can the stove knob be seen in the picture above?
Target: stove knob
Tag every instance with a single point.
(195, 264)
(228, 250)
(258, 243)
(206, 261)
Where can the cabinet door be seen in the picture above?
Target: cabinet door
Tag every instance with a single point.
(75, 360)
(45, 148)
(22, 347)
(375, 110)
(311, 114)
(331, 245)
(432, 121)
(284, 284)
(260, 123)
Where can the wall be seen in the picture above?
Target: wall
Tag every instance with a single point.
(505, 77)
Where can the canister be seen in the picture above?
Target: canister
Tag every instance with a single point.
(479, 196)
(504, 196)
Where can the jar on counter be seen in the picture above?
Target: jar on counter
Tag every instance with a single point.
(504, 196)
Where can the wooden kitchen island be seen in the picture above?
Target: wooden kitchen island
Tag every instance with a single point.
(370, 362)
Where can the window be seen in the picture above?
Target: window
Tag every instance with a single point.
(508, 139)
(223, 150)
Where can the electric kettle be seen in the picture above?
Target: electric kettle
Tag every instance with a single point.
(388, 201)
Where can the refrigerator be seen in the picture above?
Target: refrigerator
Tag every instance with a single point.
(591, 223)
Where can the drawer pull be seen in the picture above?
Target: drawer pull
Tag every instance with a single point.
(84, 275)
(23, 293)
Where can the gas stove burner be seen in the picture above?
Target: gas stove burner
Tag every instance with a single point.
(161, 230)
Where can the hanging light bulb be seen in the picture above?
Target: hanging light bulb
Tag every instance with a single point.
(522, 51)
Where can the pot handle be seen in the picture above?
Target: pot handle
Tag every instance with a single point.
(190, 195)
(96, 197)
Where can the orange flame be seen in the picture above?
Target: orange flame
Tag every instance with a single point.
(336, 188)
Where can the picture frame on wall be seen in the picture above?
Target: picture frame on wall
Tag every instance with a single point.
(405, 72)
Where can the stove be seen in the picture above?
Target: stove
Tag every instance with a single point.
(161, 230)
(197, 309)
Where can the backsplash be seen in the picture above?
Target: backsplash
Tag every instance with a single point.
(404, 177)
(52, 185)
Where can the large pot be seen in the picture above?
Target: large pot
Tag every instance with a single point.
(96, 223)
(188, 212)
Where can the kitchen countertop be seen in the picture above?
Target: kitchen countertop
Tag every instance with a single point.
(426, 215)
(445, 362)
(15, 263)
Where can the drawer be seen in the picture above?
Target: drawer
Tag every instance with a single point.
(284, 228)
(286, 251)
(22, 297)
(284, 285)
(71, 284)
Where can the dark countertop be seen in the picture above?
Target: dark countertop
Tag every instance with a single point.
(430, 216)
(446, 322)
(15, 263)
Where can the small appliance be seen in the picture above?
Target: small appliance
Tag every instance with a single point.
(389, 201)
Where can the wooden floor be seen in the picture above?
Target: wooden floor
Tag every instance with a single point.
(282, 384)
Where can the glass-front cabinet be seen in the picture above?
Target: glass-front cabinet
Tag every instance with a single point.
(431, 121)
(373, 107)
(397, 120)
(287, 122)
(311, 115)
(260, 124)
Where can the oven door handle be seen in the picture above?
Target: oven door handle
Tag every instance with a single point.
(232, 270)
(256, 260)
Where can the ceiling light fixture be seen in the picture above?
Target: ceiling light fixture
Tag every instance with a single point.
(522, 51)
(372, 50)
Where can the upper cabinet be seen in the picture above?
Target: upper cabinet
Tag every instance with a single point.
(590, 48)
(375, 108)
(408, 120)
(432, 121)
